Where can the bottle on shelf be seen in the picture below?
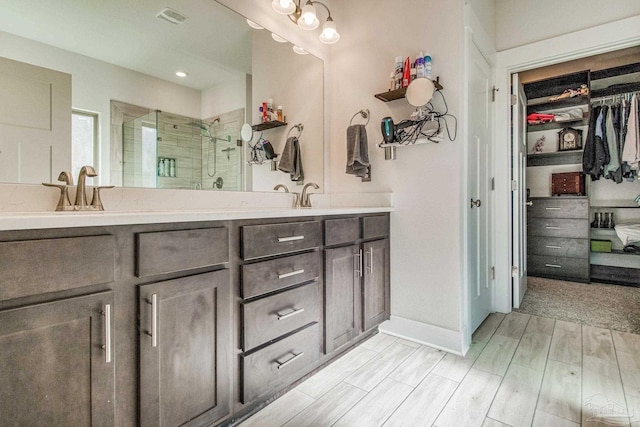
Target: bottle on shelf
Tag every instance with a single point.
(172, 168)
(398, 73)
(161, 167)
(420, 70)
(427, 66)
(406, 73)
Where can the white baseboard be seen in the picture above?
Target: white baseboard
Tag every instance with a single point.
(423, 333)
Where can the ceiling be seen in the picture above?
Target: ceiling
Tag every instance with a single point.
(213, 45)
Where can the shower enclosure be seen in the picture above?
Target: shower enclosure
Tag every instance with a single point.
(163, 150)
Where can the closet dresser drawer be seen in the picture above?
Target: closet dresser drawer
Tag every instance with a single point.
(556, 207)
(280, 363)
(560, 267)
(268, 318)
(275, 239)
(558, 246)
(558, 227)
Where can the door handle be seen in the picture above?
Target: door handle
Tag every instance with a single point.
(154, 320)
(476, 203)
(107, 333)
(359, 267)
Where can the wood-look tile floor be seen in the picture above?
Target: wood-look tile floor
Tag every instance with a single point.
(521, 370)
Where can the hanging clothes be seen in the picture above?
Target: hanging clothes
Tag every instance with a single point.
(594, 155)
(631, 146)
(612, 169)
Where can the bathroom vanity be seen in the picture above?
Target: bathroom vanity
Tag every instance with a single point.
(198, 322)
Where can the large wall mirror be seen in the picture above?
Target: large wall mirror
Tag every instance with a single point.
(94, 82)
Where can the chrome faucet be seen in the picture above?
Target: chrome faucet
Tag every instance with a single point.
(305, 200)
(81, 196)
(296, 196)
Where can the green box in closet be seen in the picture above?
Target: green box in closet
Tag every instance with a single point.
(600, 245)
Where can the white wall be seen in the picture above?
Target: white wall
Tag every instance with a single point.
(96, 83)
(220, 99)
(522, 22)
(425, 180)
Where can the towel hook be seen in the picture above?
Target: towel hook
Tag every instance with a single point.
(365, 115)
(299, 127)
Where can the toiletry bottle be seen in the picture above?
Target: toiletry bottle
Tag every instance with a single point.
(398, 83)
(172, 168)
(420, 71)
(160, 167)
(427, 66)
(392, 80)
(406, 73)
(167, 168)
(265, 114)
(279, 113)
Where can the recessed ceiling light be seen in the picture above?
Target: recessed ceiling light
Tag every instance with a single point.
(181, 74)
(278, 38)
(254, 25)
(299, 50)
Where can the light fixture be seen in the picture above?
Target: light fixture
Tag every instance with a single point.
(283, 7)
(307, 17)
(254, 25)
(299, 50)
(182, 73)
(278, 38)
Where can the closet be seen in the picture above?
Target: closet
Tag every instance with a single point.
(571, 218)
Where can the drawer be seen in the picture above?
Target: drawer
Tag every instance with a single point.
(268, 318)
(279, 364)
(570, 268)
(552, 227)
(556, 207)
(344, 230)
(375, 226)
(268, 276)
(275, 239)
(171, 251)
(32, 267)
(558, 246)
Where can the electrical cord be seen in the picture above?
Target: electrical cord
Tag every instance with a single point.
(410, 134)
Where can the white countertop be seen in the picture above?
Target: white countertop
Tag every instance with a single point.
(39, 220)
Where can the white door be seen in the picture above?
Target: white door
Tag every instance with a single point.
(479, 183)
(518, 191)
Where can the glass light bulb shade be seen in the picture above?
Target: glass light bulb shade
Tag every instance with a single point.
(278, 38)
(329, 34)
(283, 7)
(308, 19)
(299, 50)
(254, 25)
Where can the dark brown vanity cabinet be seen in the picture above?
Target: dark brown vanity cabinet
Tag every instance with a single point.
(356, 264)
(185, 327)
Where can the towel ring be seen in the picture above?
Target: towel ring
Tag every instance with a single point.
(299, 127)
(365, 115)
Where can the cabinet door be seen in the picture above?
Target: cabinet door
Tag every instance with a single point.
(375, 298)
(56, 363)
(342, 299)
(185, 347)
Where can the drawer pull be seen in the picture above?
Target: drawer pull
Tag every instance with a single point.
(289, 314)
(553, 265)
(291, 273)
(290, 239)
(553, 209)
(295, 356)
(549, 227)
(553, 247)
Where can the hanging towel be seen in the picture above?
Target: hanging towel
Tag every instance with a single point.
(291, 159)
(357, 151)
(631, 149)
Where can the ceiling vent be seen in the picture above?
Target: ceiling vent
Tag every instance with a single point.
(171, 15)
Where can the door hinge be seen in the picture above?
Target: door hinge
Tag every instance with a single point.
(493, 183)
(514, 185)
(493, 93)
(493, 273)
(514, 271)
(514, 99)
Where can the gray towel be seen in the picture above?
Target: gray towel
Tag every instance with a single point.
(357, 151)
(291, 159)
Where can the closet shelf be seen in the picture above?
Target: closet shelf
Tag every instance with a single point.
(392, 95)
(547, 103)
(573, 157)
(559, 125)
(268, 125)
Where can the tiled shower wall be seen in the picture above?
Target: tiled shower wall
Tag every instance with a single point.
(228, 163)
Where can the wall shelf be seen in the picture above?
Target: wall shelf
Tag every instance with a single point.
(573, 157)
(559, 125)
(392, 95)
(268, 125)
(419, 141)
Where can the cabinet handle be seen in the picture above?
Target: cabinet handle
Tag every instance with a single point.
(553, 247)
(359, 267)
(292, 273)
(289, 239)
(370, 253)
(553, 265)
(154, 320)
(549, 227)
(553, 209)
(107, 333)
(289, 314)
(295, 356)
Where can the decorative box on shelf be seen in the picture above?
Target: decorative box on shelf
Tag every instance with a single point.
(567, 183)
